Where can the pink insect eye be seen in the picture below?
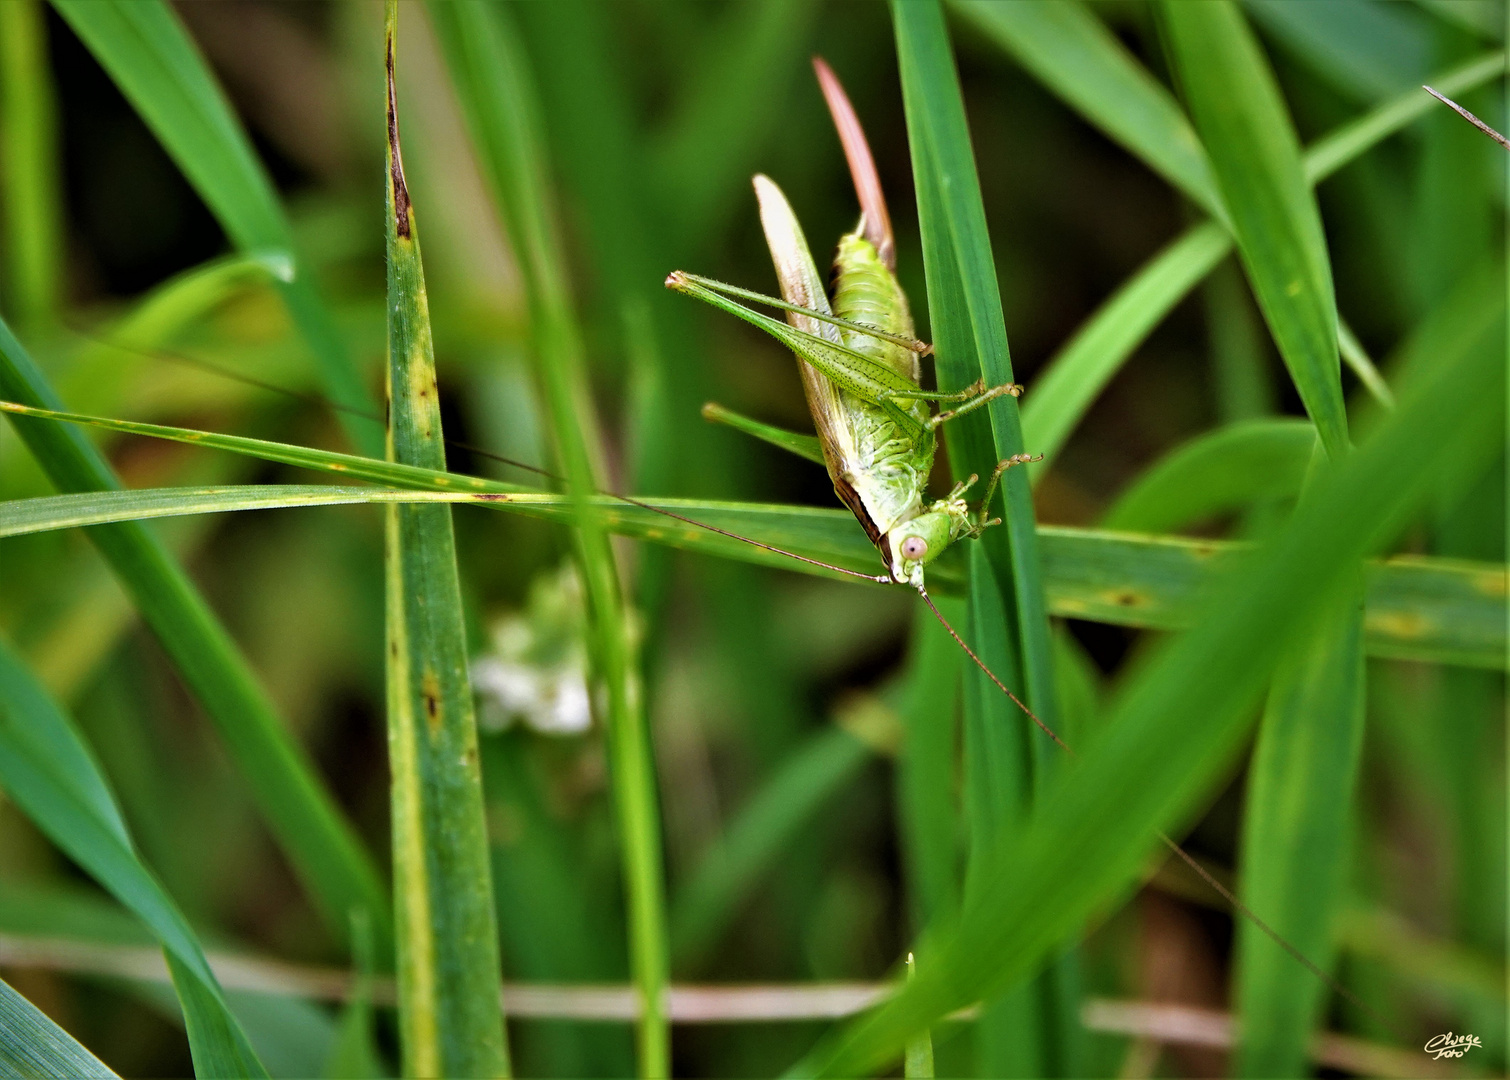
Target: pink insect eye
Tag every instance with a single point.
(914, 548)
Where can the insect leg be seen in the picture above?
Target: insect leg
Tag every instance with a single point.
(974, 403)
(982, 522)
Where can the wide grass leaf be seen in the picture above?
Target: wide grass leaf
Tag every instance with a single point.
(1423, 608)
(32, 1046)
(498, 97)
(320, 844)
(1255, 154)
(1219, 472)
(448, 963)
(49, 773)
(1178, 724)
(1008, 615)
(153, 61)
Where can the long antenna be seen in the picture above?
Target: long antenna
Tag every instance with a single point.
(1466, 115)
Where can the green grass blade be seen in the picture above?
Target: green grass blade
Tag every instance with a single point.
(1294, 846)
(1078, 372)
(970, 337)
(49, 773)
(151, 58)
(1362, 365)
(1442, 610)
(785, 804)
(1256, 157)
(18, 517)
(449, 973)
(1239, 368)
(1072, 52)
(320, 844)
(31, 1045)
(1178, 723)
(29, 181)
(1008, 616)
(1221, 471)
(498, 98)
(1368, 51)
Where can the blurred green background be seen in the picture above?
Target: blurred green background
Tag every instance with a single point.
(657, 114)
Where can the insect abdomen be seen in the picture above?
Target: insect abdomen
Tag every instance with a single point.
(866, 292)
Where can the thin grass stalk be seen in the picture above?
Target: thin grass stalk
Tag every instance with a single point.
(29, 163)
(321, 845)
(448, 965)
(498, 96)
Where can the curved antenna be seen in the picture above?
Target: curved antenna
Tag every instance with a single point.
(875, 222)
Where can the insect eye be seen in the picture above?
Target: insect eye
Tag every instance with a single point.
(914, 548)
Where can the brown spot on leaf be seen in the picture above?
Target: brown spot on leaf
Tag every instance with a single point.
(395, 158)
(430, 691)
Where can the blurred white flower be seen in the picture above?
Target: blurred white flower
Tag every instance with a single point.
(536, 671)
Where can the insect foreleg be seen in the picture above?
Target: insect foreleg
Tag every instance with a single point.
(981, 521)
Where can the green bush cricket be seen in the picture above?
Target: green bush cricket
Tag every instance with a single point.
(860, 368)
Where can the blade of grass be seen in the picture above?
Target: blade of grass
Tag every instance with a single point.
(1244, 389)
(1221, 471)
(320, 844)
(29, 164)
(1008, 615)
(1294, 847)
(1256, 157)
(18, 517)
(498, 98)
(1442, 610)
(1072, 52)
(31, 1045)
(47, 769)
(449, 974)
(151, 58)
(1180, 719)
